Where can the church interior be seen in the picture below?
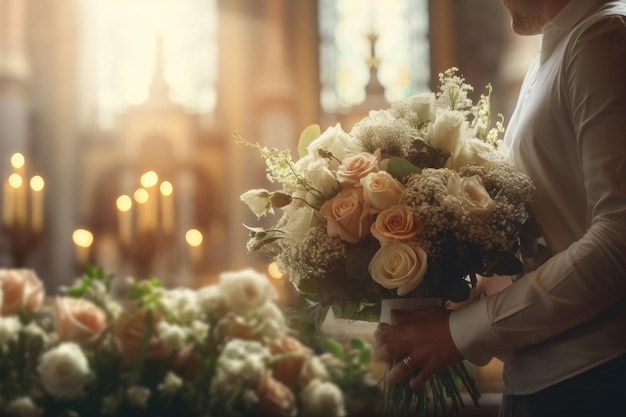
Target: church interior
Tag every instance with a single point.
(118, 116)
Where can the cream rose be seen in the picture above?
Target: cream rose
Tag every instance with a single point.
(472, 195)
(381, 190)
(77, 319)
(395, 224)
(258, 200)
(322, 398)
(423, 105)
(319, 173)
(447, 129)
(346, 215)
(22, 291)
(398, 265)
(335, 140)
(246, 290)
(64, 370)
(475, 151)
(356, 166)
(296, 221)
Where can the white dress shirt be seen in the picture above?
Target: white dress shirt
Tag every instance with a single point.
(568, 133)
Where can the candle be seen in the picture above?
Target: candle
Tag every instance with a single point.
(167, 207)
(151, 209)
(194, 241)
(141, 198)
(20, 215)
(124, 218)
(83, 239)
(36, 203)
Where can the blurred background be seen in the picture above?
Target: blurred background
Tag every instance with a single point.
(117, 116)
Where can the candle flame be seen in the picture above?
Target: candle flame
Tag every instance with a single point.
(193, 237)
(141, 196)
(17, 160)
(37, 183)
(124, 203)
(82, 238)
(149, 179)
(166, 188)
(15, 180)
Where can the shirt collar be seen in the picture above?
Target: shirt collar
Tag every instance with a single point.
(563, 22)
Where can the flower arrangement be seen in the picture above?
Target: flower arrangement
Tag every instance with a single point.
(415, 201)
(115, 347)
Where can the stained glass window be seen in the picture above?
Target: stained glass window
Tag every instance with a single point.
(402, 47)
(120, 42)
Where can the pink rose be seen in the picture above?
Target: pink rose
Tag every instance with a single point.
(346, 215)
(77, 319)
(381, 190)
(129, 332)
(22, 291)
(292, 358)
(275, 398)
(356, 166)
(395, 223)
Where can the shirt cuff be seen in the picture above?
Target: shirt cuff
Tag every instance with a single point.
(472, 333)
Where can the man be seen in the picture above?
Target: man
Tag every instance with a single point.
(561, 329)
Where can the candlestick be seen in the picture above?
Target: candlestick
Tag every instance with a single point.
(17, 184)
(124, 218)
(141, 198)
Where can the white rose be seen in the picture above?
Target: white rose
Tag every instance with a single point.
(475, 151)
(259, 201)
(138, 396)
(446, 132)
(246, 290)
(381, 190)
(380, 114)
(398, 265)
(296, 221)
(319, 174)
(211, 300)
(322, 398)
(335, 140)
(423, 105)
(64, 370)
(472, 195)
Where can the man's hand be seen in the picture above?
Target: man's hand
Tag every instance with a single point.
(420, 339)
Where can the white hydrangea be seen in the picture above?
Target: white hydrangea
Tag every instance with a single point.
(246, 291)
(24, 407)
(211, 300)
(198, 330)
(322, 398)
(138, 396)
(171, 383)
(172, 335)
(182, 303)
(9, 330)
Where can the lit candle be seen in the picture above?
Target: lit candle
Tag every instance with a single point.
(167, 207)
(83, 239)
(124, 218)
(194, 241)
(36, 203)
(17, 162)
(141, 197)
(17, 184)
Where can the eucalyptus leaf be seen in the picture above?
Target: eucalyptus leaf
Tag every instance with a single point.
(400, 167)
(308, 135)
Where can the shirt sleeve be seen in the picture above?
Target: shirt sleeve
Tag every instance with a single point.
(589, 277)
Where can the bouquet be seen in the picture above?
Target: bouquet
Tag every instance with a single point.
(115, 347)
(416, 200)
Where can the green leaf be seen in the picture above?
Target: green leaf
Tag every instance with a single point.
(332, 346)
(308, 135)
(400, 167)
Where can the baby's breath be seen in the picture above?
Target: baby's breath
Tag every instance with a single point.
(453, 91)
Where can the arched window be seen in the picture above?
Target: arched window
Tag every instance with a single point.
(120, 41)
(402, 46)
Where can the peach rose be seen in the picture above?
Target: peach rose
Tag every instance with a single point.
(381, 190)
(77, 319)
(399, 266)
(128, 335)
(275, 398)
(22, 291)
(346, 215)
(356, 166)
(395, 223)
(289, 367)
